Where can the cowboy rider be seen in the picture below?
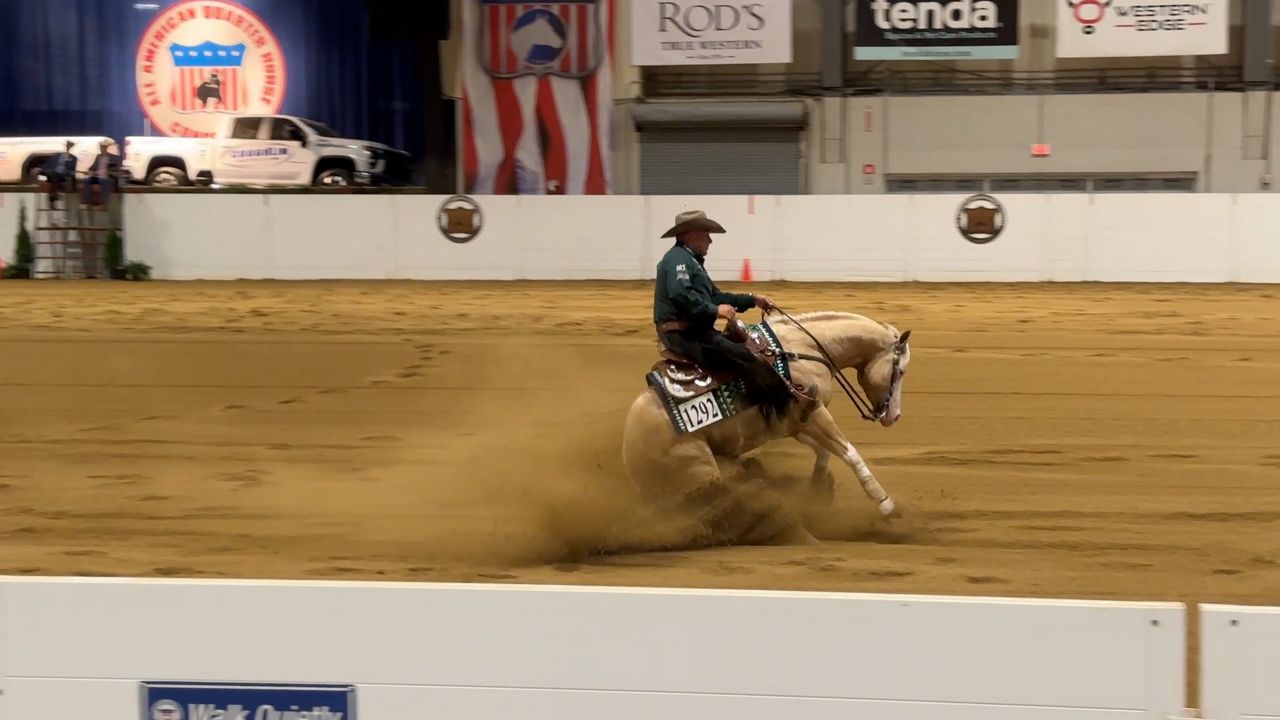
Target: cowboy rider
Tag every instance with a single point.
(687, 303)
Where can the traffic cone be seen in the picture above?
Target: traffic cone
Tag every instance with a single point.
(746, 270)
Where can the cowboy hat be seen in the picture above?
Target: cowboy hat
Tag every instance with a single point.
(693, 220)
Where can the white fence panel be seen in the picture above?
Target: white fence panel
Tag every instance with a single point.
(1047, 237)
(1239, 662)
(78, 648)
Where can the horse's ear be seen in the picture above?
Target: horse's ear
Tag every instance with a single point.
(903, 339)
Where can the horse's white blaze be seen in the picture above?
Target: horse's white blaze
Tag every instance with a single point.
(894, 409)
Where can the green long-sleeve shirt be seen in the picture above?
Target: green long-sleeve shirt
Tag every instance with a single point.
(684, 291)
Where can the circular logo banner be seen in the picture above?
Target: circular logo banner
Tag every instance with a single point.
(460, 219)
(166, 710)
(201, 61)
(980, 219)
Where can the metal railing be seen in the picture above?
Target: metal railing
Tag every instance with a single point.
(947, 81)
(686, 84)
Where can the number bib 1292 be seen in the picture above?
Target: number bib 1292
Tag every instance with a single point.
(700, 412)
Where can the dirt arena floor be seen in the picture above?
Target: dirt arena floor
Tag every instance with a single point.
(1080, 441)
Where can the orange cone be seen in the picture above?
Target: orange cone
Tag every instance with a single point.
(746, 270)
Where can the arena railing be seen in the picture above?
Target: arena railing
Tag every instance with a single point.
(256, 190)
(939, 80)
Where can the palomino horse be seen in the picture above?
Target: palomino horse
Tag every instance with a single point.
(692, 470)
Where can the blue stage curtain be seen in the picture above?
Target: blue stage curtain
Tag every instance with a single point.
(67, 67)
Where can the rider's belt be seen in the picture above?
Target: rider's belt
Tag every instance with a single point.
(672, 325)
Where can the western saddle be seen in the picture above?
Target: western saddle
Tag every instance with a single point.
(685, 378)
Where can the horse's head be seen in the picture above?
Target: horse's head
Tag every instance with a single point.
(881, 379)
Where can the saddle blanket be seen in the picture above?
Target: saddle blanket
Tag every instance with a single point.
(692, 409)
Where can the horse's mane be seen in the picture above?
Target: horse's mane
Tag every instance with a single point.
(830, 315)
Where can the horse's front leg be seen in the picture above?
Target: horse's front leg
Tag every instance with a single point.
(822, 483)
(822, 430)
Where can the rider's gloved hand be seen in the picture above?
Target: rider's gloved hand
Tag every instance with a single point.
(727, 312)
(764, 302)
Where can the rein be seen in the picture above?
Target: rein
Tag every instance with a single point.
(863, 405)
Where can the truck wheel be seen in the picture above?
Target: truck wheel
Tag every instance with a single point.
(167, 176)
(333, 177)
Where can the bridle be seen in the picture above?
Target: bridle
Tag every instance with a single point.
(865, 409)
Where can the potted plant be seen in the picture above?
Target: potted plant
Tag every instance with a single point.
(134, 270)
(24, 254)
(114, 256)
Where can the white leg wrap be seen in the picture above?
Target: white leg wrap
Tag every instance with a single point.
(869, 484)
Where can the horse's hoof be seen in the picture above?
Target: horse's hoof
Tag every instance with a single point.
(888, 507)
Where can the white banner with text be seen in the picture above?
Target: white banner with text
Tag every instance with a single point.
(688, 32)
(1121, 28)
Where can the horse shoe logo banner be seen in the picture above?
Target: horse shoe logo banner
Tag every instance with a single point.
(980, 219)
(460, 219)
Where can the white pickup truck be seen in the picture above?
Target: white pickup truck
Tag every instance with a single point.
(22, 158)
(265, 150)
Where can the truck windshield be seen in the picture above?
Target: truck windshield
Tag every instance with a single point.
(321, 129)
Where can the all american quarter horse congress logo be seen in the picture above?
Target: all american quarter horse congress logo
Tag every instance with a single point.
(563, 39)
(200, 61)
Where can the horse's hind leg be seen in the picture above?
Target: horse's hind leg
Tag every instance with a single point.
(700, 501)
(822, 430)
(726, 507)
(822, 482)
(750, 512)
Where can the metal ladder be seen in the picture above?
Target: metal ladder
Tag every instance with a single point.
(71, 239)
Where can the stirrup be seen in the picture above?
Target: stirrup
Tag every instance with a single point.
(800, 391)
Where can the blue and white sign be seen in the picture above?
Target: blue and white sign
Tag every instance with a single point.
(252, 154)
(260, 701)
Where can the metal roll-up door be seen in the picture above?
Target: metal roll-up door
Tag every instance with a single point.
(721, 148)
(731, 161)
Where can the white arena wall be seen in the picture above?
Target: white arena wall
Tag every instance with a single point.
(9, 205)
(80, 647)
(1240, 662)
(1184, 237)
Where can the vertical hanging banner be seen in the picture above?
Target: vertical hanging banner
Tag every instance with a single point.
(930, 30)
(689, 32)
(1118, 28)
(537, 97)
